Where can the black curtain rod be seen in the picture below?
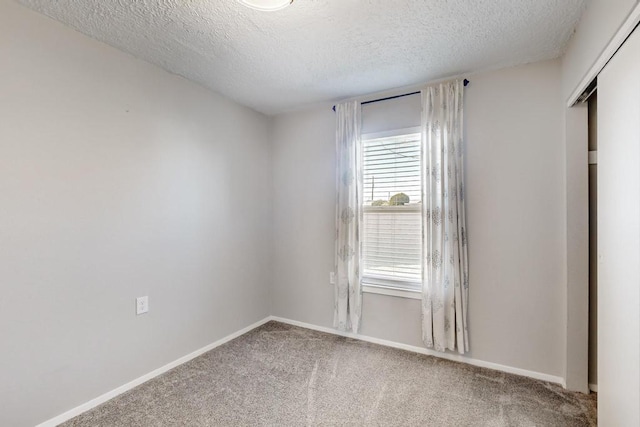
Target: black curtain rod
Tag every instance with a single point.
(466, 82)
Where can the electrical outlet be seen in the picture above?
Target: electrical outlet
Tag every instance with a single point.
(142, 305)
(332, 278)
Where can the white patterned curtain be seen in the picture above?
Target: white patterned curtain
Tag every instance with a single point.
(445, 290)
(348, 295)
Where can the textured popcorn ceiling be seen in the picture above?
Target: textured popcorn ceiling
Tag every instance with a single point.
(322, 50)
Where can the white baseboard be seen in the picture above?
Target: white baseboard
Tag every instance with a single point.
(423, 350)
(454, 357)
(146, 377)
(593, 387)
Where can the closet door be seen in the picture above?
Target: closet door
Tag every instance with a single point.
(619, 237)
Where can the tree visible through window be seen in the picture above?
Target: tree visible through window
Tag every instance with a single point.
(392, 226)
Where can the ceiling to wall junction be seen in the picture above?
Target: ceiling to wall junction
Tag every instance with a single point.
(321, 50)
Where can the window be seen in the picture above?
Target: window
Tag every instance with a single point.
(392, 226)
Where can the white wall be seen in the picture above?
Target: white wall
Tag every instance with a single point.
(117, 180)
(598, 24)
(516, 215)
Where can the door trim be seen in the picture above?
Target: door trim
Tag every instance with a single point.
(612, 47)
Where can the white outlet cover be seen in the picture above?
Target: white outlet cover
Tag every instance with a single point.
(142, 305)
(332, 278)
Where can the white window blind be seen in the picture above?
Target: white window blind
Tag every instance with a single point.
(392, 226)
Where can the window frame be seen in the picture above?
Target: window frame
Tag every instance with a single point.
(380, 284)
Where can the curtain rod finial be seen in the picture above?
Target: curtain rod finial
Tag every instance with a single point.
(465, 82)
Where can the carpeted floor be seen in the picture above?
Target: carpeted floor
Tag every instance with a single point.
(281, 375)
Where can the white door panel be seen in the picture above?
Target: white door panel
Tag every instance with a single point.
(619, 238)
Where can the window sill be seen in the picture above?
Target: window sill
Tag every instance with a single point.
(393, 292)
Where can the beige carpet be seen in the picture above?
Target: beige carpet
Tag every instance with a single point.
(281, 375)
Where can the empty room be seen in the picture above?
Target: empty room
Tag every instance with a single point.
(319, 213)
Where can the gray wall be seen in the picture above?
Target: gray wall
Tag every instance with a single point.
(117, 180)
(516, 215)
